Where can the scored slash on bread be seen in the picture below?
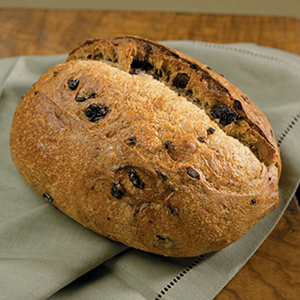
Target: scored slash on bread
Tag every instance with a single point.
(197, 82)
(147, 146)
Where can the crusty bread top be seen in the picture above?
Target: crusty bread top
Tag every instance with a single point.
(147, 147)
(233, 110)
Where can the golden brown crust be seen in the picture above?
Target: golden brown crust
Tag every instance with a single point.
(113, 145)
(208, 88)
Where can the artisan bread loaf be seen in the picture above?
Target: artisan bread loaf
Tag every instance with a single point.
(148, 147)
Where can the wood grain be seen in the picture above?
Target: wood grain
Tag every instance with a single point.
(43, 32)
(274, 270)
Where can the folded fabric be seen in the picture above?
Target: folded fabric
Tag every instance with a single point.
(46, 255)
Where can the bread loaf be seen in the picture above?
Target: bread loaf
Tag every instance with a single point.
(148, 147)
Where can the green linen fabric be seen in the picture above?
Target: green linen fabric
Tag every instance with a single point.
(46, 255)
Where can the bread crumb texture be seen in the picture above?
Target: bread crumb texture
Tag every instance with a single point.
(148, 147)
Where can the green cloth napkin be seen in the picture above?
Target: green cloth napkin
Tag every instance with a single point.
(46, 255)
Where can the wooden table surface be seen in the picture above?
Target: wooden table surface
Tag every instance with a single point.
(273, 272)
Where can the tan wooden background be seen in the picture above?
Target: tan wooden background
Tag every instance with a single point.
(289, 8)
